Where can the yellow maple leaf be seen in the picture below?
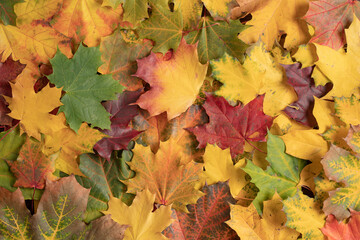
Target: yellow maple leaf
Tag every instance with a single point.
(71, 145)
(86, 20)
(249, 225)
(340, 67)
(32, 109)
(32, 43)
(258, 75)
(323, 112)
(30, 10)
(348, 109)
(219, 168)
(144, 223)
(277, 17)
(190, 11)
(174, 83)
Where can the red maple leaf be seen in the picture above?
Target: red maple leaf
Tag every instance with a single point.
(330, 18)
(341, 231)
(32, 167)
(231, 126)
(206, 219)
(120, 133)
(300, 79)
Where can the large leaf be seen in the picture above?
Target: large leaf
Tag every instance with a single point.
(32, 167)
(86, 20)
(330, 18)
(227, 123)
(84, 88)
(182, 72)
(217, 37)
(304, 215)
(119, 57)
(103, 177)
(144, 223)
(164, 27)
(281, 176)
(168, 174)
(205, 219)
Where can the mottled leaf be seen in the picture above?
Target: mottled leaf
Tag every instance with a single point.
(334, 230)
(206, 219)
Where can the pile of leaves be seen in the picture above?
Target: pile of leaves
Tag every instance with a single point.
(180, 119)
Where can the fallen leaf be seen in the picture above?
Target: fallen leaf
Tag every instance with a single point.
(334, 230)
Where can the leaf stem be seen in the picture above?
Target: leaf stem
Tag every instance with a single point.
(255, 147)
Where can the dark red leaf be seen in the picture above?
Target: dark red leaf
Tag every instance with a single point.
(231, 126)
(206, 219)
(9, 70)
(300, 79)
(122, 112)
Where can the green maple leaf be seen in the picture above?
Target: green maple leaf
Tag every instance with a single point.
(217, 37)
(164, 27)
(84, 88)
(103, 177)
(282, 175)
(7, 14)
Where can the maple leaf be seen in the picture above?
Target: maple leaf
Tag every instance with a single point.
(340, 67)
(32, 167)
(9, 70)
(220, 168)
(119, 57)
(226, 123)
(300, 79)
(275, 17)
(167, 173)
(341, 166)
(348, 109)
(164, 27)
(84, 88)
(323, 112)
(28, 11)
(32, 44)
(143, 221)
(330, 18)
(70, 145)
(304, 215)
(249, 225)
(259, 74)
(7, 15)
(121, 114)
(352, 139)
(334, 230)
(86, 20)
(217, 37)
(14, 216)
(103, 177)
(34, 112)
(282, 175)
(205, 219)
(174, 84)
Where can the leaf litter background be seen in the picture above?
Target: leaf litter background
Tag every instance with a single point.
(201, 119)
